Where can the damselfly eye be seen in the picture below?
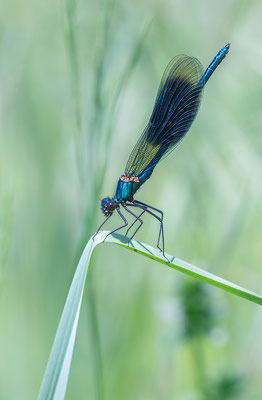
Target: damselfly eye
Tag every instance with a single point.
(111, 205)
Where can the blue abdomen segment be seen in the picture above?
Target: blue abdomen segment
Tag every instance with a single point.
(214, 64)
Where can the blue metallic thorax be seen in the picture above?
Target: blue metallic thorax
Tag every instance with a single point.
(215, 63)
(128, 186)
(123, 192)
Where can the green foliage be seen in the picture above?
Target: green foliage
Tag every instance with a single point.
(226, 387)
(198, 313)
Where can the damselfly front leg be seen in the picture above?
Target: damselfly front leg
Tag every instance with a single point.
(101, 225)
(120, 227)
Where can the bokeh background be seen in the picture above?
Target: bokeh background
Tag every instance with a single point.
(78, 82)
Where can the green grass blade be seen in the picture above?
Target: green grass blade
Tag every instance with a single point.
(57, 370)
(184, 267)
(56, 375)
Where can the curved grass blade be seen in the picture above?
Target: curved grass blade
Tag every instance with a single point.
(185, 267)
(56, 375)
(57, 371)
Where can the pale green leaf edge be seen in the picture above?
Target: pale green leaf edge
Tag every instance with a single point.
(57, 371)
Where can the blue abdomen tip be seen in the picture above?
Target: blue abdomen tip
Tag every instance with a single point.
(227, 46)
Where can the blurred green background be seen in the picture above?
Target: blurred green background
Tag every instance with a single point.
(78, 83)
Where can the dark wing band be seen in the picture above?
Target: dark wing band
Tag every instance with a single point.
(176, 106)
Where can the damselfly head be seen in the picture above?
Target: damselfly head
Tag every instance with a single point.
(108, 206)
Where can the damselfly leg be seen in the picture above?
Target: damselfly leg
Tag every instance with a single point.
(161, 222)
(137, 219)
(133, 223)
(101, 226)
(145, 207)
(160, 219)
(120, 227)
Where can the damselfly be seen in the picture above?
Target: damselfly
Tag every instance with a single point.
(176, 106)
